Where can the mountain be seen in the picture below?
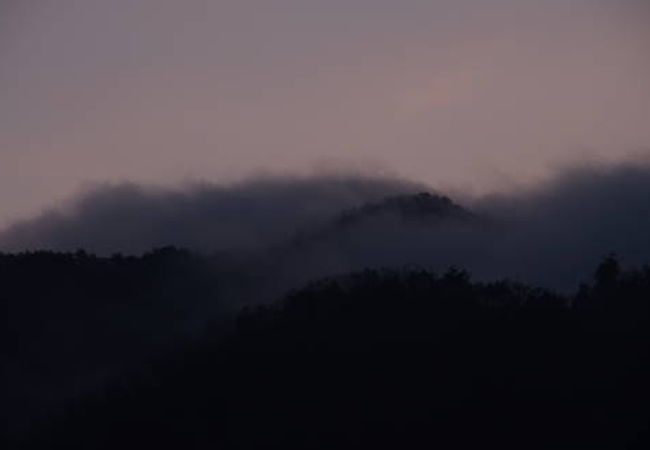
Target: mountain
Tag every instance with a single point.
(421, 206)
(394, 359)
(77, 320)
(89, 317)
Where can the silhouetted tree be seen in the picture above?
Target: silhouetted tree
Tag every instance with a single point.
(607, 273)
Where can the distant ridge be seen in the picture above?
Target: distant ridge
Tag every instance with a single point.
(415, 207)
(422, 207)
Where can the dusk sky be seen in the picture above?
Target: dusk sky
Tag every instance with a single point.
(464, 94)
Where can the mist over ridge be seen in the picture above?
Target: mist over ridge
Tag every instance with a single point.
(548, 235)
(204, 217)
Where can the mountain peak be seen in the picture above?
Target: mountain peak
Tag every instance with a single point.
(418, 206)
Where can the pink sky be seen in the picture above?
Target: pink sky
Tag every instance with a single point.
(471, 94)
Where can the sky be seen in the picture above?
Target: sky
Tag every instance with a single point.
(478, 95)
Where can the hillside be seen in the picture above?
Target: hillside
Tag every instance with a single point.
(395, 359)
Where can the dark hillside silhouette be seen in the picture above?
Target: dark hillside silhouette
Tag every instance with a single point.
(396, 359)
(72, 320)
(154, 350)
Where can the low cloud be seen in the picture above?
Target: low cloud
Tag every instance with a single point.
(552, 235)
(133, 219)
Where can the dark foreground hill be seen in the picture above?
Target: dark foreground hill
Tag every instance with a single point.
(399, 359)
(76, 319)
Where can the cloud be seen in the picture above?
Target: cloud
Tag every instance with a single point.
(446, 91)
(205, 217)
(551, 235)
